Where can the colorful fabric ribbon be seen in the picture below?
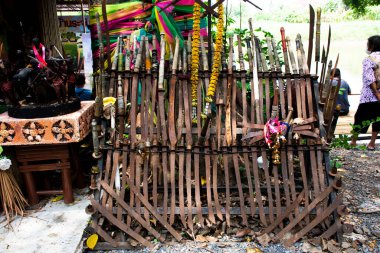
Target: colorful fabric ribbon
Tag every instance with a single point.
(166, 24)
(40, 57)
(274, 135)
(275, 129)
(126, 18)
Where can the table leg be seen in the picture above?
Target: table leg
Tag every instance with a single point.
(76, 166)
(66, 185)
(30, 187)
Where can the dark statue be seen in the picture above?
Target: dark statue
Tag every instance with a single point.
(33, 81)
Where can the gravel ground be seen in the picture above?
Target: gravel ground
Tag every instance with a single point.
(360, 170)
(361, 178)
(217, 247)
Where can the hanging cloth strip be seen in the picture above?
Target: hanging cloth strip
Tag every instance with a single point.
(185, 24)
(40, 57)
(126, 18)
(166, 23)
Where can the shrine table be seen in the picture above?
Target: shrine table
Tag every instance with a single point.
(48, 144)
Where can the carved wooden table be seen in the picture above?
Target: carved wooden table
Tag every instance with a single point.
(46, 144)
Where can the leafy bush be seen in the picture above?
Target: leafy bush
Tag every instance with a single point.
(343, 141)
(331, 6)
(357, 128)
(297, 18)
(332, 11)
(360, 6)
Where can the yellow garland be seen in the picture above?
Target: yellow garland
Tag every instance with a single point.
(195, 52)
(217, 55)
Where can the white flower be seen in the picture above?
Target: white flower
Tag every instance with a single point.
(5, 163)
(260, 162)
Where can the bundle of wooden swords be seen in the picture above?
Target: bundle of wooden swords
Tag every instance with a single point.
(328, 90)
(163, 174)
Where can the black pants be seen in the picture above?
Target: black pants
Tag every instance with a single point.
(367, 112)
(335, 121)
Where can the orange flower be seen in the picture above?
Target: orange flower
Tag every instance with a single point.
(195, 52)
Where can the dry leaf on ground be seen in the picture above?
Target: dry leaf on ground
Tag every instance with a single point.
(200, 238)
(264, 239)
(243, 232)
(211, 238)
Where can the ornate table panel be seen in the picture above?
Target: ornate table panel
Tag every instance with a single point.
(67, 128)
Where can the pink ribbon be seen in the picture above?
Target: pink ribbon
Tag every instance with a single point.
(40, 58)
(273, 127)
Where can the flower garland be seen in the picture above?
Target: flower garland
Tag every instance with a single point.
(217, 59)
(195, 59)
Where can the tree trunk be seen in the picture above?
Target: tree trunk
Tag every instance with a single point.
(49, 26)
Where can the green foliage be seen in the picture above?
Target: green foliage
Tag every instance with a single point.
(359, 6)
(372, 13)
(332, 11)
(336, 163)
(357, 128)
(331, 6)
(283, 12)
(296, 17)
(1, 150)
(243, 33)
(343, 141)
(69, 36)
(230, 21)
(262, 34)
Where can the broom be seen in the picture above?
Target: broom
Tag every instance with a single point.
(11, 197)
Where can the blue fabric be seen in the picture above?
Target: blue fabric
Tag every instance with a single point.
(342, 99)
(83, 94)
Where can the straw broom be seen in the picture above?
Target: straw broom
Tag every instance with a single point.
(11, 197)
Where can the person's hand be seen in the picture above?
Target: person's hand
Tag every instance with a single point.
(378, 95)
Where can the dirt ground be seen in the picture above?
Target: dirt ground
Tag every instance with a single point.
(361, 182)
(360, 171)
(54, 227)
(361, 177)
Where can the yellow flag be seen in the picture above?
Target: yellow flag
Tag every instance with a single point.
(92, 241)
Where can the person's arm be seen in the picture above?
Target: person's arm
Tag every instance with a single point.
(348, 89)
(374, 90)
